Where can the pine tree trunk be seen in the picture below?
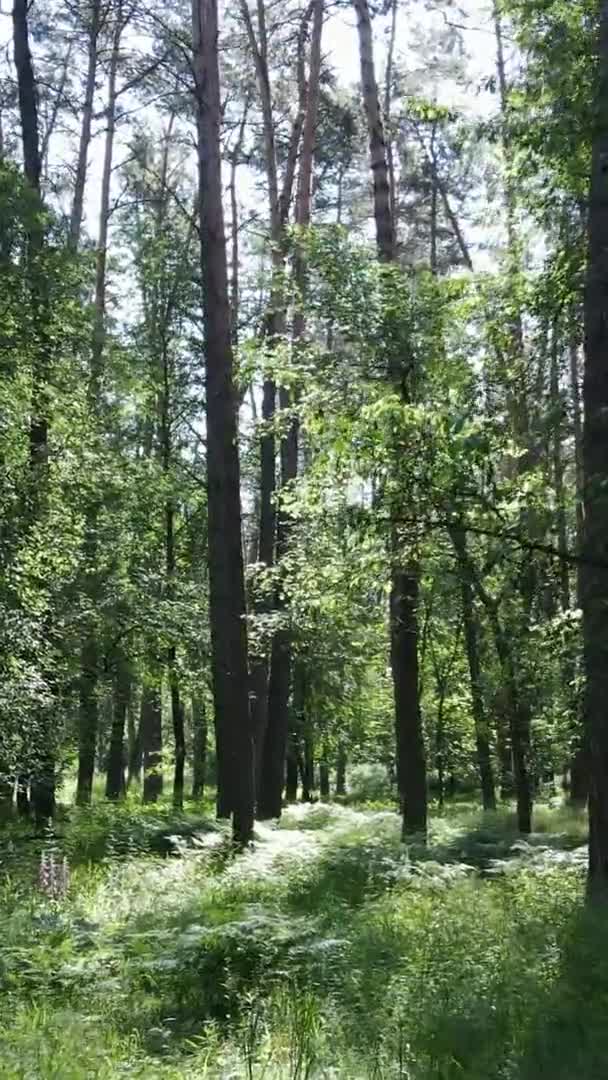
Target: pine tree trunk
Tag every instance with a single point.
(152, 743)
(89, 660)
(594, 569)
(308, 767)
(411, 762)
(199, 747)
(226, 575)
(85, 127)
(43, 779)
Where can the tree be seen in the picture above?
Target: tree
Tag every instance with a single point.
(595, 462)
(226, 576)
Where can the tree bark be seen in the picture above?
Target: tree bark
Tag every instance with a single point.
(43, 780)
(324, 789)
(152, 742)
(115, 779)
(411, 762)
(226, 576)
(341, 771)
(272, 768)
(594, 569)
(85, 127)
(89, 661)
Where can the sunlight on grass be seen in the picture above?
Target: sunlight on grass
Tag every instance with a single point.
(327, 950)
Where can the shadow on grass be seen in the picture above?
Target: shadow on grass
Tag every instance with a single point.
(568, 1034)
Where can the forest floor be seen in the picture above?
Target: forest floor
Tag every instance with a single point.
(329, 950)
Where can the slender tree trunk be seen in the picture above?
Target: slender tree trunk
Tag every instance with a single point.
(43, 779)
(89, 661)
(411, 763)
(85, 127)
(324, 790)
(151, 724)
(272, 768)
(471, 636)
(579, 766)
(135, 748)
(199, 747)
(341, 771)
(308, 767)
(594, 569)
(291, 769)
(226, 575)
(115, 779)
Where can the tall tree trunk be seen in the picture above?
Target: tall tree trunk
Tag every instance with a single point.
(579, 766)
(43, 780)
(226, 576)
(151, 724)
(404, 585)
(89, 662)
(594, 570)
(272, 769)
(199, 746)
(85, 127)
(115, 779)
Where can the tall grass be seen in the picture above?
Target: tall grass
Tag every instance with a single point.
(328, 951)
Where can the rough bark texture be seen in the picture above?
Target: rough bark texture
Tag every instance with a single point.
(594, 571)
(411, 764)
(226, 576)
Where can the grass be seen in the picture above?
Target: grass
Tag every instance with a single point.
(328, 951)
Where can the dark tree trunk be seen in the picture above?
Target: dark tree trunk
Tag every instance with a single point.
(135, 748)
(43, 782)
(179, 736)
(341, 772)
(23, 796)
(411, 764)
(152, 743)
(519, 728)
(291, 769)
(85, 129)
(594, 570)
(308, 768)
(471, 636)
(199, 746)
(505, 757)
(89, 676)
(88, 721)
(115, 779)
(272, 772)
(324, 790)
(226, 576)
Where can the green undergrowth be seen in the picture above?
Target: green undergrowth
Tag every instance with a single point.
(330, 950)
